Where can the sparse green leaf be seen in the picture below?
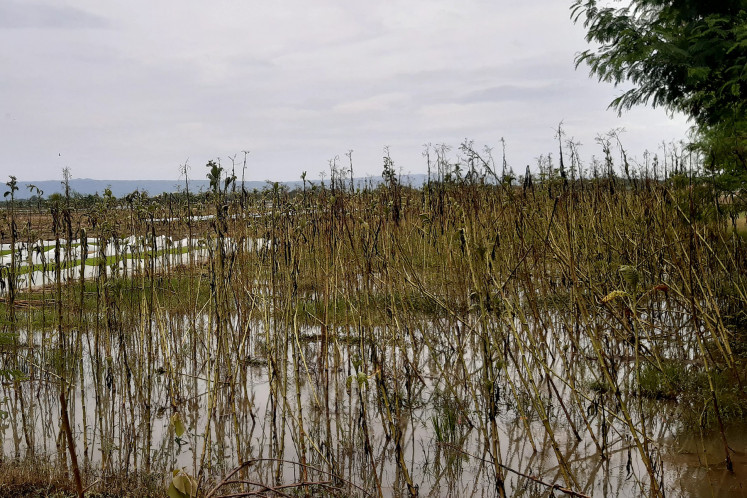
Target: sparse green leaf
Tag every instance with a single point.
(630, 275)
(178, 422)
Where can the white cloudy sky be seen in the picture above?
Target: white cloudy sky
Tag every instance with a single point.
(131, 90)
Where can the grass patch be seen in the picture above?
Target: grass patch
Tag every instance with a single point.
(33, 477)
(37, 309)
(97, 261)
(690, 388)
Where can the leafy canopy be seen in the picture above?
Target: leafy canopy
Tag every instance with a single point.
(685, 55)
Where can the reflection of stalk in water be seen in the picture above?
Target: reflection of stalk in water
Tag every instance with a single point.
(79, 346)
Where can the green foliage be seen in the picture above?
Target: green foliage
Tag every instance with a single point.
(724, 149)
(685, 55)
(13, 186)
(389, 174)
(214, 175)
(666, 383)
(690, 387)
(630, 276)
(361, 379)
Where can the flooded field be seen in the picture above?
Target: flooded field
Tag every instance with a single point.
(471, 340)
(36, 262)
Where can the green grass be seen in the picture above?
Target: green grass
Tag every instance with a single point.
(689, 386)
(97, 261)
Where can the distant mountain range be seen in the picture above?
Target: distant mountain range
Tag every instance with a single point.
(120, 188)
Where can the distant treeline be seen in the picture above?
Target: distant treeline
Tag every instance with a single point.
(84, 187)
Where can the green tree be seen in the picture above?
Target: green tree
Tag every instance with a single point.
(724, 148)
(688, 56)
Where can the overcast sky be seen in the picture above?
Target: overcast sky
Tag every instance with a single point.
(132, 90)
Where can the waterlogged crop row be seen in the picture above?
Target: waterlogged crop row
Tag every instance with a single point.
(583, 337)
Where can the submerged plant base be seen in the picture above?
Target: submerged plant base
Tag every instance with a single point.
(466, 338)
(35, 477)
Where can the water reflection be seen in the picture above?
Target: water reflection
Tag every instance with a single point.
(375, 408)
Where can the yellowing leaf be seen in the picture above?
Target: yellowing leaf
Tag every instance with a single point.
(179, 427)
(172, 492)
(182, 486)
(613, 295)
(181, 482)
